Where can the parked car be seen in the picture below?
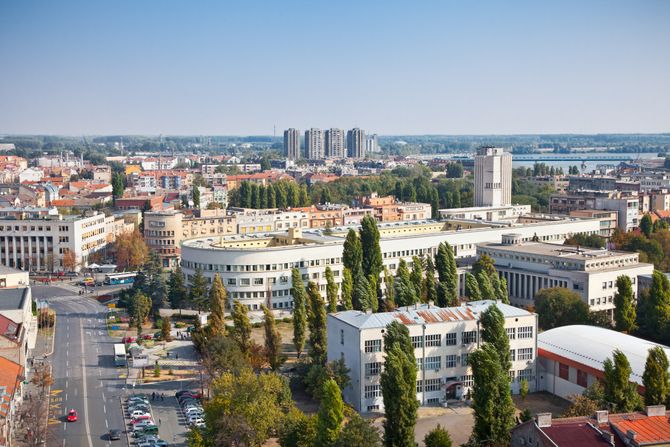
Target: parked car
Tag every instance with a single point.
(72, 416)
(147, 337)
(142, 408)
(146, 430)
(192, 420)
(151, 439)
(114, 434)
(128, 340)
(135, 413)
(144, 417)
(141, 424)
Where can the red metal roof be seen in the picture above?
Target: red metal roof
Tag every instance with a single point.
(648, 429)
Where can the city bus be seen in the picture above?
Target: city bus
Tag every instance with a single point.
(120, 278)
(120, 354)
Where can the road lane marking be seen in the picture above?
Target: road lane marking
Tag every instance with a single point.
(83, 368)
(104, 408)
(106, 424)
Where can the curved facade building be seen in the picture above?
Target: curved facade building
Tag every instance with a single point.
(256, 269)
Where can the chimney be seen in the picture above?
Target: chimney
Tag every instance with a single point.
(654, 410)
(544, 419)
(602, 417)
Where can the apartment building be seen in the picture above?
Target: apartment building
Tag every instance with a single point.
(315, 147)
(608, 220)
(443, 338)
(292, 144)
(335, 143)
(356, 143)
(531, 266)
(626, 206)
(387, 209)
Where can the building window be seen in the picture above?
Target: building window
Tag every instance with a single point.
(373, 369)
(372, 391)
(373, 345)
(419, 364)
(450, 361)
(258, 281)
(244, 281)
(468, 337)
(433, 362)
(341, 336)
(526, 354)
(417, 341)
(373, 408)
(464, 359)
(525, 374)
(512, 355)
(434, 340)
(467, 381)
(450, 340)
(432, 385)
(511, 332)
(581, 378)
(563, 371)
(525, 332)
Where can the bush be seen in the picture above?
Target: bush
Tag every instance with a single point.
(179, 325)
(45, 319)
(157, 370)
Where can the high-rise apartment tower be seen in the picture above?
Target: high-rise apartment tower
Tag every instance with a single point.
(335, 145)
(314, 144)
(356, 143)
(292, 143)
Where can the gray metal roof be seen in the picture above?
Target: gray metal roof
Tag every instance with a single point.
(12, 299)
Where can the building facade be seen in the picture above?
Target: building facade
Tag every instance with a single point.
(443, 338)
(315, 146)
(356, 143)
(493, 177)
(292, 144)
(335, 143)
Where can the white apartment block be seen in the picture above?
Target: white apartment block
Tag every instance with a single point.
(356, 142)
(315, 147)
(486, 213)
(627, 208)
(256, 269)
(493, 177)
(531, 266)
(335, 143)
(40, 244)
(443, 338)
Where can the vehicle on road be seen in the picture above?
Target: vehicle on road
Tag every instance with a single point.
(120, 278)
(141, 424)
(128, 340)
(72, 416)
(87, 282)
(138, 396)
(115, 434)
(120, 356)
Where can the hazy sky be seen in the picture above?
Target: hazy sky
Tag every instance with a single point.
(411, 67)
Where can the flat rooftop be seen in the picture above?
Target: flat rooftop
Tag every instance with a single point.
(555, 250)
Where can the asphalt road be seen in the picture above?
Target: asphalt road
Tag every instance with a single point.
(85, 377)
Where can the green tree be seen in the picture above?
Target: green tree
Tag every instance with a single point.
(317, 325)
(352, 252)
(484, 264)
(298, 430)
(398, 385)
(454, 170)
(472, 288)
(241, 331)
(373, 298)
(372, 254)
(331, 290)
(177, 292)
(330, 416)
(198, 292)
(581, 406)
(360, 295)
(117, 185)
(139, 308)
(656, 379)
(273, 350)
(493, 331)
(619, 391)
(654, 309)
(217, 303)
(523, 389)
(485, 287)
(358, 432)
(404, 293)
(491, 398)
(166, 327)
(625, 312)
(195, 438)
(437, 437)
(646, 225)
(347, 289)
(299, 310)
(389, 289)
(558, 306)
(196, 197)
(416, 275)
(429, 284)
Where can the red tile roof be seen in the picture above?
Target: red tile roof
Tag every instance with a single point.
(10, 374)
(573, 434)
(648, 429)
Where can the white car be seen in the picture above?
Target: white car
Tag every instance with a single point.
(194, 420)
(193, 410)
(138, 413)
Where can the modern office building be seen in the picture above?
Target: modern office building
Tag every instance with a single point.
(356, 143)
(493, 177)
(531, 266)
(335, 143)
(443, 338)
(315, 146)
(292, 144)
(626, 206)
(256, 269)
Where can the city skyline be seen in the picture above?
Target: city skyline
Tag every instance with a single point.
(437, 68)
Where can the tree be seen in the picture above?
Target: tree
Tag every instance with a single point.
(352, 252)
(372, 254)
(298, 430)
(416, 275)
(581, 406)
(317, 325)
(117, 185)
(373, 298)
(654, 308)
(493, 331)
(454, 170)
(389, 289)
(331, 290)
(484, 264)
(429, 285)
(558, 306)
(472, 288)
(347, 288)
(656, 379)
(398, 385)
(646, 225)
(360, 295)
(166, 327)
(246, 408)
(446, 270)
(619, 391)
(69, 260)
(299, 310)
(177, 292)
(358, 432)
(196, 197)
(195, 438)
(217, 303)
(625, 313)
(523, 389)
(139, 307)
(404, 293)
(273, 350)
(437, 437)
(491, 398)
(485, 287)
(198, 293)
(241, 331)
(330, 416)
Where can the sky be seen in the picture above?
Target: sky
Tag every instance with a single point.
(390, 67)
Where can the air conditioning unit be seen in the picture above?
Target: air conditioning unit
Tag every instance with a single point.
(437, 370)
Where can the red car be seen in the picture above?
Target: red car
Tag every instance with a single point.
(72, 416)
(147, 337)
(128, 340)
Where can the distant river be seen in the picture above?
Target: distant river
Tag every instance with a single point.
(557, 160)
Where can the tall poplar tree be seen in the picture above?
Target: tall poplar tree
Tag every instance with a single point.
(389, 288)
(472, 288)
(347, 289)
(360, 295)
(656, 379)
(619, 391)
(372, 254)
(493, 331)
(398, 385)
(272, 340)
(485, 286)
(217, 302)
(331, 290)
(352, 252)
(429, 284)
(317, 325)
(241, 332)
(198, 293)
(416, 275)
(331, 414)
(177, 292)
(299, 310)
(625, 313)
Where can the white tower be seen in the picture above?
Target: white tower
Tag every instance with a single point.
(493, 177)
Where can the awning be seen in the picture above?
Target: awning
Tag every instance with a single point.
(451, 383)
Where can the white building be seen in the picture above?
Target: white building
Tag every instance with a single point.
(531, 266)
(315, 147)
(335, 143)
(627, 208)
(443, 339)
(493, 177)
(292, 144)
(30, 175)
(571, 358)
(256, 269)
(10, 278)
(356, 143)
(487, 213)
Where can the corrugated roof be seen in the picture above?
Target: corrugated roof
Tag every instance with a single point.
(591, 345)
